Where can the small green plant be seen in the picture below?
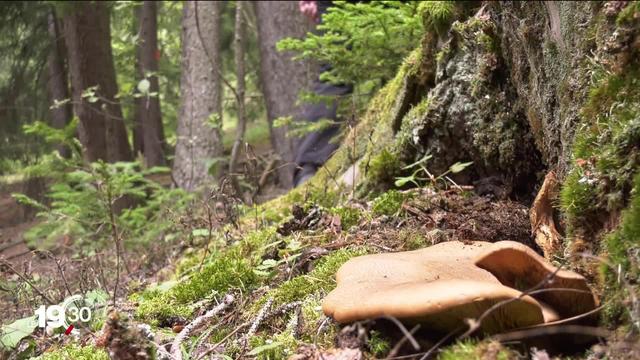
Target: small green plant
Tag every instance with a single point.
(11, 334)
(421, 174)
(84, 200)
(388, 203)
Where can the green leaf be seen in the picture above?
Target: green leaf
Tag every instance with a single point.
(95, 297)
(402, 181)
(260, 349)
(12, 334)
(200, 232)
(214, 121)
(457, 167)
(282, 121)
(424, 159)
(267, 264)
(261, 273)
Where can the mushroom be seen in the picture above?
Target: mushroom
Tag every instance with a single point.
(518, 266)
(439, 287)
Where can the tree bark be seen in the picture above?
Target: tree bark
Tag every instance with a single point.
(199, 141)
(239, 49)
(88, 39)
(58, 85)
(148, 107)
(138, 142)
(281, 78)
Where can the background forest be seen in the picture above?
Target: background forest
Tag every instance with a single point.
(149, 157)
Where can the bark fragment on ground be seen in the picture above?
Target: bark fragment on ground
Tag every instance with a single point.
(541, 214)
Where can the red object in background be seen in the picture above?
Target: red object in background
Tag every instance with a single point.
(309, 9)
(69, 329)
(157, 54)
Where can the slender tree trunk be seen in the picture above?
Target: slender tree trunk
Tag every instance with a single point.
(138, 142)
(282, 79)
(239, 49)
(148, 107)
(57, 85)
(199, 142)
(88, 39)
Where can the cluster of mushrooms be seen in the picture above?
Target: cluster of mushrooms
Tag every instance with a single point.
(506, 285)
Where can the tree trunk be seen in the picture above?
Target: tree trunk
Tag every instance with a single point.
(282, 79)
(148, 107)
(88, 38)
(199, 141)
(138, 143)
(57, 85)
(239, 49)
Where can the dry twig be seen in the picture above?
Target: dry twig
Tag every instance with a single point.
(176, 351)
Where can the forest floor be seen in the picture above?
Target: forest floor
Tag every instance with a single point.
(416, 219)
(299, 251)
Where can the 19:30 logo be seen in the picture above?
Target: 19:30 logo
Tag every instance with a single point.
(70, 314)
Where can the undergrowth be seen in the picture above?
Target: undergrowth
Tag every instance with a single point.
(474, 350)
(75, 352)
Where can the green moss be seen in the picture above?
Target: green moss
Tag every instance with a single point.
(280, 346)
(605, 152)
(412, 239)
(322, 196)
(157, 307)
(388, 203)
(366, 139)
(437, 16)
(623, 250)
(75, 352)
(576, 197)
(253, 245)
(216, 277)
(320, 279)
(221, 274)
(623, 242)
(377, 344)
(629, 13)
(348, 216)
(473, 350)
(313, 192)
(312, 315)
(383, 168)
